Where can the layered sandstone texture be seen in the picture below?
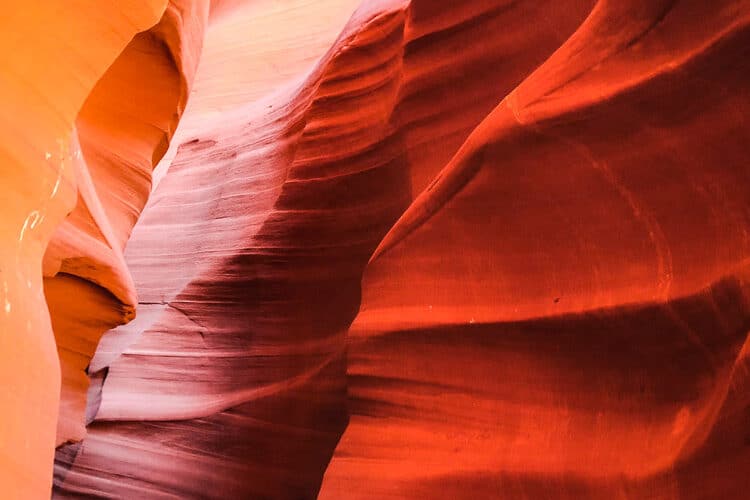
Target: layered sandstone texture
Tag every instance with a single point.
(375, 249)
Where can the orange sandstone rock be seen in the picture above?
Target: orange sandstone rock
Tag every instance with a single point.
(124, 128)
(53, 54)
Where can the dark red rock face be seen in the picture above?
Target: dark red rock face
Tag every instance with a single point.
(477, 249)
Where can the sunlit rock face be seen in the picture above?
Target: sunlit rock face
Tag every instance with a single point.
(124, 128)
(382, 249)
(53, 53)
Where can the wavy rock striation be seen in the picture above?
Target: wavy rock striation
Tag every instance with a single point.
(123, 128)
(314, 177)
(535, 213)
(563, 313)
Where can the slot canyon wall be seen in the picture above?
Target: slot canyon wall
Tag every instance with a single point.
(375, 249)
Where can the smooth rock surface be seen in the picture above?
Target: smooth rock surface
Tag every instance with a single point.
(394, 249)
(563, 313)
(49, 69)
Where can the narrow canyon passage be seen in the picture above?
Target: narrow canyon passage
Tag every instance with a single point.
(376, 249)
